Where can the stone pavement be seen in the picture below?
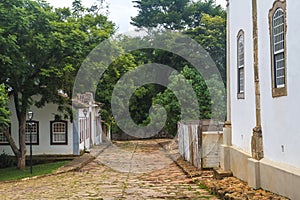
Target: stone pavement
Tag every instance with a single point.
(125, 170)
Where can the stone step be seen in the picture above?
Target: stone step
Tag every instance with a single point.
(220, 173)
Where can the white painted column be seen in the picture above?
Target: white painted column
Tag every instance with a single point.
(227, 141)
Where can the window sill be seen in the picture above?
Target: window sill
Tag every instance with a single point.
(279, 92)
(241, 95)
(4, 144)
(57, 143)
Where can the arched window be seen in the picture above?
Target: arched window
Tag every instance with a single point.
(240, 65)
(278, 50)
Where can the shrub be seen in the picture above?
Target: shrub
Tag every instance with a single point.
(6, 160)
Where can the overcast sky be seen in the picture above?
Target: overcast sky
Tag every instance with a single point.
(120, 10)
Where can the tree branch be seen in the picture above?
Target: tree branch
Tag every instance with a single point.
(11, 141)
(17, 106)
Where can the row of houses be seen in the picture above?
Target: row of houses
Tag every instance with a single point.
(52, 135)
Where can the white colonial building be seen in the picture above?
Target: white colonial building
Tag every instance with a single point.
(53, 135)
(262, 134)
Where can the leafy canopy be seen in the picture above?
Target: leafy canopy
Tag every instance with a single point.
(41, 50)
(4, 112)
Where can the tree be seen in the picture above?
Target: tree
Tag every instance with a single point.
(171, 103)
(199, 8)
(211, 34)
(141, 99)
(173, 15)
(41, 51)
(4, 112)
(167, 14)
(203, 21)
(107, 83)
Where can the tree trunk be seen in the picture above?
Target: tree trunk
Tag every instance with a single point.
(11, 141)
(19, 157)
(21, 161)
(21, 106)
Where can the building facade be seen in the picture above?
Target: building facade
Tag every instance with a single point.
(54, 135)
(261, 135)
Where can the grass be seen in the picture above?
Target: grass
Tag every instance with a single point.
(13, 173)
(204, 197)
(201, 186)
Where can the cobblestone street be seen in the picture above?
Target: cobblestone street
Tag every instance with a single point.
(124, 170)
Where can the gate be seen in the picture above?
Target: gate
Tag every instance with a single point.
(199, 142)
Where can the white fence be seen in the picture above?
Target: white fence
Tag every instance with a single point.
(199, 142)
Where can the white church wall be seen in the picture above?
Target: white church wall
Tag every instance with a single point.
(243, 110)
(281, 132)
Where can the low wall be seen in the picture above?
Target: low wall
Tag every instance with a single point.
(276, 177)
(211, 142)
(239, 163)
(279, 178)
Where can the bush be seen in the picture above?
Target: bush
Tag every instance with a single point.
(6, 160)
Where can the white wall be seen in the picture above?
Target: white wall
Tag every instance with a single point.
(85, 141)
(280, 129)
(243, 110)
(281, 132)
(280, 115)
(90, 118)
(44, 116)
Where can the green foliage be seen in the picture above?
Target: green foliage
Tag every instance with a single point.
(172, 105)
(41, 50)
(46, 47)
(107, 83)
(168, 14)
(6, 160)
(205, 22)
(202, 7)
(202, 20)
(173, 15)
(152, 95)
(211, 34)
(217, 99)
(141, 101)
(4, 112)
